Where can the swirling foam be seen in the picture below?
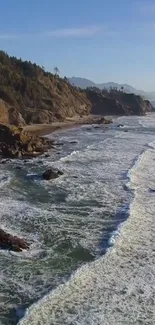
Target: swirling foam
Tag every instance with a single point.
(119, 287)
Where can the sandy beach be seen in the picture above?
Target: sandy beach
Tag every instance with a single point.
(44, 129)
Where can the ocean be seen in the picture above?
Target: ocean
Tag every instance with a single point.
(91, 231)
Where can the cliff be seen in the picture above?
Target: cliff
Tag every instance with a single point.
(37, 96)
(30, 95)
(116, 102)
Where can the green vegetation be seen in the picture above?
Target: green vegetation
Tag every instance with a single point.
(30, 94)
(32, 90)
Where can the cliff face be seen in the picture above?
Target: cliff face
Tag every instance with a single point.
(10, 115)
(39, 96)
(28, 94)
(116, 102)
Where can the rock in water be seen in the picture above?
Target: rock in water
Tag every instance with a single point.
(13, 243)
(51, 174)
(104, 121)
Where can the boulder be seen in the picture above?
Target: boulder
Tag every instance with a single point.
(13, 243)
(51, 174)
(16, 143)
(103, 121)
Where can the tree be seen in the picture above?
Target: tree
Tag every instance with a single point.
(65, 78)
(56, 71)
(122, 88)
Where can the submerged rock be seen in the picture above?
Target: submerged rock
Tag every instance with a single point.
(13, 243)
(51, 174)
(18, 167)
(73, 142)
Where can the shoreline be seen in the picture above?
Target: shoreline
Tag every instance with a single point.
(70, 123)
(46, 129)
(126, 270)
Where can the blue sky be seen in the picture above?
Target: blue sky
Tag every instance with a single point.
(102, 40)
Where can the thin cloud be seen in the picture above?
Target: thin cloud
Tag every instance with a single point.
(8, 36)
(75, 32)
(80, 32)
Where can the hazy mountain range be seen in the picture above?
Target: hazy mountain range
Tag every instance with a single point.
(84, 83)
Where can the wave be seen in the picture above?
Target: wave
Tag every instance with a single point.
(5, 178)
(113, 289)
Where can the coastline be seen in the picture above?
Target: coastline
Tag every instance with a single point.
(80, 287)
(69, 123)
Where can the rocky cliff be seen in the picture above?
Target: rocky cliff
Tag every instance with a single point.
(29, 94)
(36, 96)
(116, 102)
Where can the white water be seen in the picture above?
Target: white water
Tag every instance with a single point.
(118, 288)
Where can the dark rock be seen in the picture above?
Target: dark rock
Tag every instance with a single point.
(60, 172)
(152, 190)
(18, 167)
(47, 155)
(73, 142)
(40, 162)
(51, 174)
(13, 243)
(120, 125)
(16, 143)
(59, 144)
(103, 121)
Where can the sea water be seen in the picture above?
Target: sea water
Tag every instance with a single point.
(91, 232)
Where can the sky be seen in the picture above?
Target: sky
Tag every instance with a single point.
(101, 40)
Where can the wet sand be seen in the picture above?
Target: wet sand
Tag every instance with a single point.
(44, 129)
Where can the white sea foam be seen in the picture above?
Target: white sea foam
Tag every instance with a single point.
(5, 178)
(119, 287)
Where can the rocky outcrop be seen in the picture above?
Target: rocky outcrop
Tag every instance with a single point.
(13, 243)
(51, 174)
(148, 106)
(117, 103)
(10, 115)
(15, 143)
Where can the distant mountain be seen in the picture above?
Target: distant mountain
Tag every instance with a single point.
(85, 83)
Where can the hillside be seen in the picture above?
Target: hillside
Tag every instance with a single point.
(28, 92)
(117, 102)
(30, 95)
(84, 83)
